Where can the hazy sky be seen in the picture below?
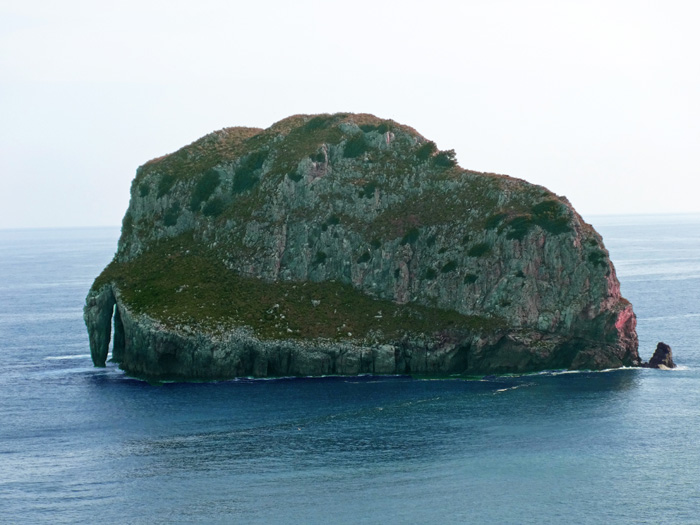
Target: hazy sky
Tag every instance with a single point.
(597, 100)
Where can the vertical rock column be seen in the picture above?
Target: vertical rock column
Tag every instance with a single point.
(99, 307)
(119, 338)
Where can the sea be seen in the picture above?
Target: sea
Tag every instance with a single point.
(80, 444)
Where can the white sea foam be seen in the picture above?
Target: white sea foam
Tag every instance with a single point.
(679, 368)
(62, 357)
(605, 370)
(512, 388)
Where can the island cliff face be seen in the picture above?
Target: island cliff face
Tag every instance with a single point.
(347, 244)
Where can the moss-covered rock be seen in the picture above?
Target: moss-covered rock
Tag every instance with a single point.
(351, 244)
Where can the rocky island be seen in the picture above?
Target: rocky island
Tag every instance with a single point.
(349, 244)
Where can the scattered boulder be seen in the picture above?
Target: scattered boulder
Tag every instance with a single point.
(662, 358)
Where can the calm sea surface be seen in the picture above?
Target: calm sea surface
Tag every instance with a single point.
(86, 445)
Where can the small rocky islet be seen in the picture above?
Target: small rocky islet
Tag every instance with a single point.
(348, 244)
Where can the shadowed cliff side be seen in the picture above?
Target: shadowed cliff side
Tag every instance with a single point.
(348, 244)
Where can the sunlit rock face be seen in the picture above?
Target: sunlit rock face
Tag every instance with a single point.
(347, 244)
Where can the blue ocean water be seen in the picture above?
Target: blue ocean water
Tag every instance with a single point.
(86, 445)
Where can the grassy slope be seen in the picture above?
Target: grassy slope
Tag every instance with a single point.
(181, 283)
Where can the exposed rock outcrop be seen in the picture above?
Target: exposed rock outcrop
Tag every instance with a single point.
(662, 358)
(99, 307)
(346, 244)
